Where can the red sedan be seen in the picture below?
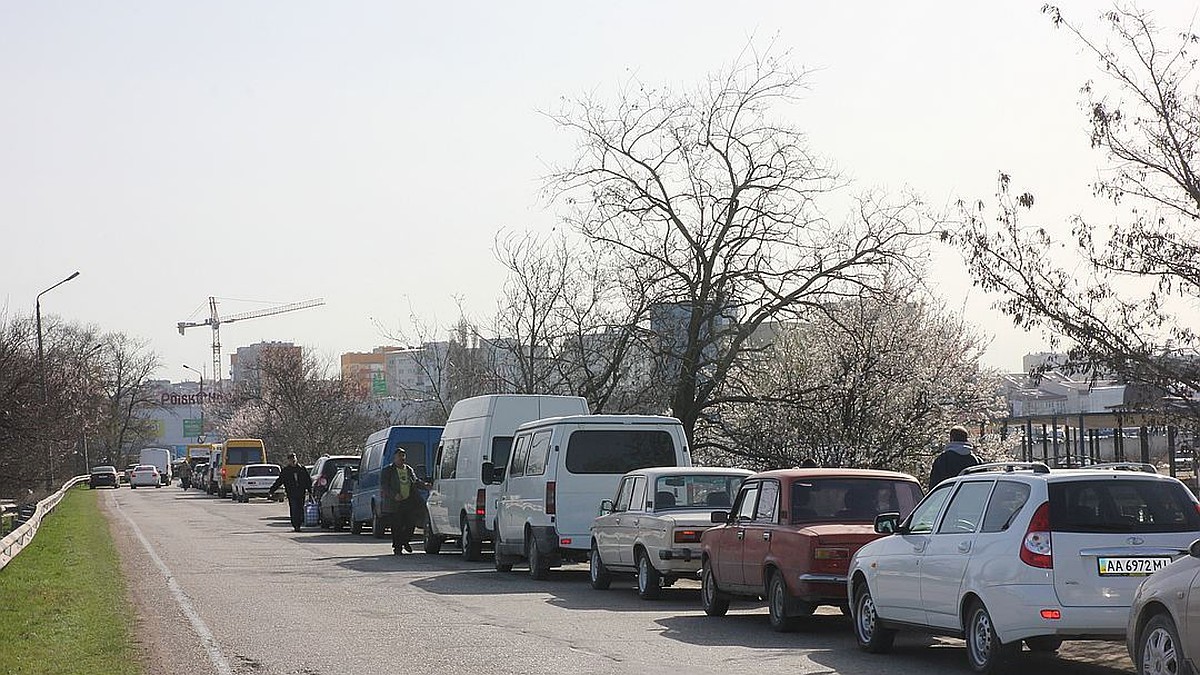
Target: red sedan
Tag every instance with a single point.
(790, 535)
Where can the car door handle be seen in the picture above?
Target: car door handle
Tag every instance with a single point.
(617, 521)
(918, 548)
(741, 534)
(766, 536)
(964, 546)
(635, 521)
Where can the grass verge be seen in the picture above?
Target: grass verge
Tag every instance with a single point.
(63, 607)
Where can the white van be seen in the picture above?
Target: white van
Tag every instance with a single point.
(560, 471)
(479, 429)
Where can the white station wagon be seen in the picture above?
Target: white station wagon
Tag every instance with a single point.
(653, 526)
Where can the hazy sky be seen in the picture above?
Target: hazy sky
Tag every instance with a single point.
(367, 153)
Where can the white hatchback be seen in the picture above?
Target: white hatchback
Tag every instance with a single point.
(1012, 552)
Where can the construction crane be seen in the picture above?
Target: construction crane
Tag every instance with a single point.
(215, 320)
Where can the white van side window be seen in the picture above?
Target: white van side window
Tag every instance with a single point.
(539, 450)
(449, 466)
(516, 467)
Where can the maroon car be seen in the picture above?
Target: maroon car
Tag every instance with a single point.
(790, 535)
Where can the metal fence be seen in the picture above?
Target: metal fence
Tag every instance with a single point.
(15, 541)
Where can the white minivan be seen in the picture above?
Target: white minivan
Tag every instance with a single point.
(479, 429)
(559, 472)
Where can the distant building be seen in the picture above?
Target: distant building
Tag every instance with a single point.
(243, 364)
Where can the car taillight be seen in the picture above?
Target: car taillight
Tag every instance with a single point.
(223, 472)
(480, 502)
(551, 505)
(687, 536)
(831, 553)
(1036, 550)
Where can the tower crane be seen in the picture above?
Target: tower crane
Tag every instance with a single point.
(215, 320)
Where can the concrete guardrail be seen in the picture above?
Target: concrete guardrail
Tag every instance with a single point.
(15, 541)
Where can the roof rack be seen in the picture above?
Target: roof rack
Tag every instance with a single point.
(1007, 467)
(1125, 466)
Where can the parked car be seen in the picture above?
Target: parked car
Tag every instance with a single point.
(561, 469)
(102, 476)
(198, 476)
(127, 474)
(335, 501)
(327, 465)
(1014, 552)
(255, 480)
(790, 535)
(1159, 635)
(652, 526)
(145, 475)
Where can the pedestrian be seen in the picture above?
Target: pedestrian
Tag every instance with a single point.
(957, 456)
(403, 507)
(296, 485)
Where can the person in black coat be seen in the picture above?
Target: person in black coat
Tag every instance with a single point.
(296, 485)
(957, 456)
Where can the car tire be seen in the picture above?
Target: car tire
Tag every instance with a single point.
(356, 526)
(1159, 649)
(777, 605)
(472, 550)
(1044, 644)
(433, 542)
(598, 574)
(649, 581)
(871, 636)
(985, 652)
(132, 486)
(715, 602)
(539, 567)
(377, 526)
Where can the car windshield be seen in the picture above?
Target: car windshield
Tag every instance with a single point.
(1135, 506)
(262, 471)
(695, 491)
(851, 499)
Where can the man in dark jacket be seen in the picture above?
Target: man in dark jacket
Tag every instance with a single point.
(296, 484)
(402, 507)
(957, 456)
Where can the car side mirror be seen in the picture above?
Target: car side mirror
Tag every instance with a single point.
(486, 473)
(606, 507)
(719, 517)
(887, 523)
(1194, 549)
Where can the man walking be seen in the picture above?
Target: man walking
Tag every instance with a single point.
(296, 485)
(957, 456)
(402, 505)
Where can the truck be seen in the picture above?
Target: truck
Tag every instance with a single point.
(159, 458)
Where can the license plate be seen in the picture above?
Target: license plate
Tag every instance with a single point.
(1132, 567)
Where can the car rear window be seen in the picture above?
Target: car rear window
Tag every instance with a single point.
(695, 491)
(1136, 506)
(618, 451)
(262, 471)
(851, 499)
(243, 455)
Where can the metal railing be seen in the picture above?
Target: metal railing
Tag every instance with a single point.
(14, 542)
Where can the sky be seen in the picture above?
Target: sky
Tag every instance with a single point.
(368, 153)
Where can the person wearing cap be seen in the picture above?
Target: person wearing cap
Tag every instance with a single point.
(403, 507)
(957, 456)
(297, 484)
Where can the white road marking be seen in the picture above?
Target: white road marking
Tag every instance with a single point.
(206, 637)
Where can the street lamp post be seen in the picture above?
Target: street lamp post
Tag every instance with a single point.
(42, 371)
(200, 436)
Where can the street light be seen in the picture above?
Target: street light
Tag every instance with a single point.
(200, 436)
(42, 368)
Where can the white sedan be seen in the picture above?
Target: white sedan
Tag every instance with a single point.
(653, 526)
(145, 475)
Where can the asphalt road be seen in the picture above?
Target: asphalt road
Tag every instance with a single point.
(222, 587)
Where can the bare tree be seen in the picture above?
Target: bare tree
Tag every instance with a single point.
(1122, 313)
(127, 365)
(712, 199)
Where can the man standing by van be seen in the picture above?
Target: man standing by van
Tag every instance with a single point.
(402, 505)
(296, 484)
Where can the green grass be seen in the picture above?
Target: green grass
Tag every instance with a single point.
(63, 607)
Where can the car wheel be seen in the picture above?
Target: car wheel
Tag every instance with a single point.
(500, 561)
(777, 605)
(376, 525)
(870, 635)
(539, 567)
(132, 486)
(649, 581)
(715, 602)
(1043, 644)
(472, 550)
(356, 526)
(985, 652)
(1159, 649)
(597, 572)
(433, 542)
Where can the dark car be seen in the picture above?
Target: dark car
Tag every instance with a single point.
(335, 502)
(791, 534)
(104, 476)
(323, 471)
